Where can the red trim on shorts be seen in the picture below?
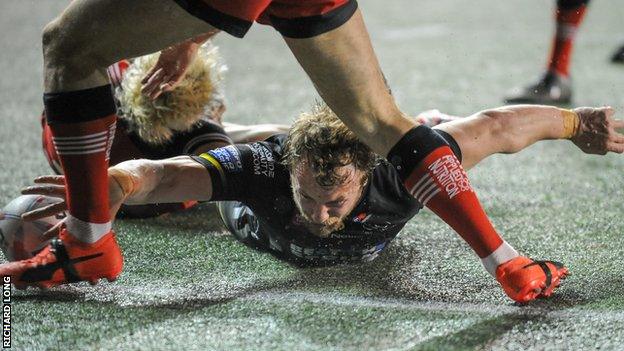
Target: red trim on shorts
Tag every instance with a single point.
(329, 16)
(292, 18)
(234, 23)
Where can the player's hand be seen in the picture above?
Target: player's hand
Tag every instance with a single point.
(597, 132)
(172, 64)
(54, 186)
(169, 69)
(524, 279)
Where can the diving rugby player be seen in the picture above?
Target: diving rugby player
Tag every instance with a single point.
(329, 40)
(320, 196)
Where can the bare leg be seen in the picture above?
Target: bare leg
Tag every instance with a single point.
(351, 83)
(92, 34)
(78, 46)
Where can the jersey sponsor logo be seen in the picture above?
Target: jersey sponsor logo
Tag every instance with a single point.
(449, 174)
(263, 161)
(229, 157)
(362, 217)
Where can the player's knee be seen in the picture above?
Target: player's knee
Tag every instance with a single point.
(52, 41)
(62, 48)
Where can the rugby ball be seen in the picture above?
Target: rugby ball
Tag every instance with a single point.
(20, 240)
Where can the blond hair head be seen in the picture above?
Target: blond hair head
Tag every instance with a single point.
(197, 95)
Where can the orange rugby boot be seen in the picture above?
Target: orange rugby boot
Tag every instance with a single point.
(67, 260)
(524, 279)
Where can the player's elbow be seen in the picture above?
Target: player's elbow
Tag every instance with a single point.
(501, 126)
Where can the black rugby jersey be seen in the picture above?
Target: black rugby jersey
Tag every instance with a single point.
(253, 174)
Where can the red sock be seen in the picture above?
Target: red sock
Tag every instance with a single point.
(433, 174)
(568, 21)
(83, 127)
(441, 184)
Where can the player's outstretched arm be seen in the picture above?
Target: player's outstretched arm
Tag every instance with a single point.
(136, 182)
(510, 129)
(170, 180)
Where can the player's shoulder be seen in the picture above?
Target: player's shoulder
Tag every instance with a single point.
(273, 145)
(387, 194)
(383, 169)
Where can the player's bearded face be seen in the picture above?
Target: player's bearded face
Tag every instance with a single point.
(324, 208)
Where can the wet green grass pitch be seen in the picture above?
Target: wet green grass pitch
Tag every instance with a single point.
(187, 285)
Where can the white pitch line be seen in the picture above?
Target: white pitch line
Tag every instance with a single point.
(434, 306)
(147, 295)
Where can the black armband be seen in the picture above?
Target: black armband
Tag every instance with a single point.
(217, 174)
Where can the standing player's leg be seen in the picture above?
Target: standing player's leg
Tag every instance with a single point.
(78, 46)
(569, 16)
(344, 69)
(554, 87)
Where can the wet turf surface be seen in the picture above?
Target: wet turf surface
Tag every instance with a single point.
(188, 285)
